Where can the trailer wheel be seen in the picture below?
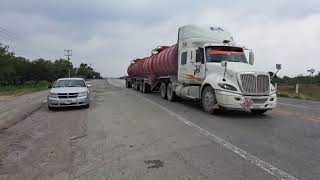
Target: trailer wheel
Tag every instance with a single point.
(145, 88)
(137, 86)
(163, 90)
(141, 87)
(209, 100)
(128, 84)
(171, 95)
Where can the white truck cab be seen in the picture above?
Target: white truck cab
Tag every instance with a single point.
(214, 69)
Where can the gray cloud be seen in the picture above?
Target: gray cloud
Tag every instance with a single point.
(109, 34)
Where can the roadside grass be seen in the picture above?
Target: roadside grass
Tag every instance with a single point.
(299, 96)
(22, 89)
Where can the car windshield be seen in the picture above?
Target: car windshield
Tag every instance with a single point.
(70, 83)
(225, 53)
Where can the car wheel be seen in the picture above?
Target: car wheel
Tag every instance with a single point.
(51, 108)
(209, 100)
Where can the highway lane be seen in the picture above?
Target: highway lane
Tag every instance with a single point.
(129, 135)
(288, 137)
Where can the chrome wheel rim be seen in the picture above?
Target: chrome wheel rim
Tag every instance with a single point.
(209, 99)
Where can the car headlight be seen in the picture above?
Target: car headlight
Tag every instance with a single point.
(227, 87)
(53, 95)
(81, 94)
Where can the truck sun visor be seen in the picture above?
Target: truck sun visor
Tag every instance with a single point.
(217, 52)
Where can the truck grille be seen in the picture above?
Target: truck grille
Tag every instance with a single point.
(67, 95)
(255, 84)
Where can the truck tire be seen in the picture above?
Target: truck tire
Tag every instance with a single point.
(141, 87)
(145, 88)
(258, 111)
(163, 90)
(171, 95)
(208, 99)
(128, 84)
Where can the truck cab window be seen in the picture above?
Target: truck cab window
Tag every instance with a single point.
(225, 53)
(199, 55)
(183, 58)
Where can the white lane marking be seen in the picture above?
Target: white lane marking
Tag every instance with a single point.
(240, 152)
(305, 107)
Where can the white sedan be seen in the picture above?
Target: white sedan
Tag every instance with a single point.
(69, 92)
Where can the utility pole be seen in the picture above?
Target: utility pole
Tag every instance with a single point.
(68, 53)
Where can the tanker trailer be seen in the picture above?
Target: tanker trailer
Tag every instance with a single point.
(205, 65)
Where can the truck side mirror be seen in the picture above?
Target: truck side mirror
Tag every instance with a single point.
(251, 58)
(278, 66)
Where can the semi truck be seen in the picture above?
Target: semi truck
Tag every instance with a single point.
(205, 65)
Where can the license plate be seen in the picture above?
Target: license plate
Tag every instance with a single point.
(247, 104)
(67, 101)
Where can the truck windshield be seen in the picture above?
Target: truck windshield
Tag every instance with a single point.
(225, 53)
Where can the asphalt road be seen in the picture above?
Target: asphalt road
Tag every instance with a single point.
(129, 135)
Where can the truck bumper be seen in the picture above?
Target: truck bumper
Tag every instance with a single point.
(233, 101)
(79, 101)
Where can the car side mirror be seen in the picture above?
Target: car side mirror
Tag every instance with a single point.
(251, 58)
(50, 86)
(89, 85)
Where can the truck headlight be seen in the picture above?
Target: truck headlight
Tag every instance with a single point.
(53, 95)
(82, 94)
(272, 89)
(227, 87)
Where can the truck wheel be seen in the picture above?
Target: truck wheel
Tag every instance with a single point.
(171, 95)
(163, 90)
(208, 100)
(141, 85)
(128, 84)
(258, 111)
(145, 88)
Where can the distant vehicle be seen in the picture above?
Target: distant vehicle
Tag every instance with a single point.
(69, 92)
(205, 65)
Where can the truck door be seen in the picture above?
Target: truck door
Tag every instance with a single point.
(199, 70)
(192, 66)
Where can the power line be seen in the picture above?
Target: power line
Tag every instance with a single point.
(6, 36)
(17, 35)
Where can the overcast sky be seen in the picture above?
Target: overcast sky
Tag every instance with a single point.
(108, 34)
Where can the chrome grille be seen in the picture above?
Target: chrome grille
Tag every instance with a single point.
(255, 85)
(67, 95)
(263, 84)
